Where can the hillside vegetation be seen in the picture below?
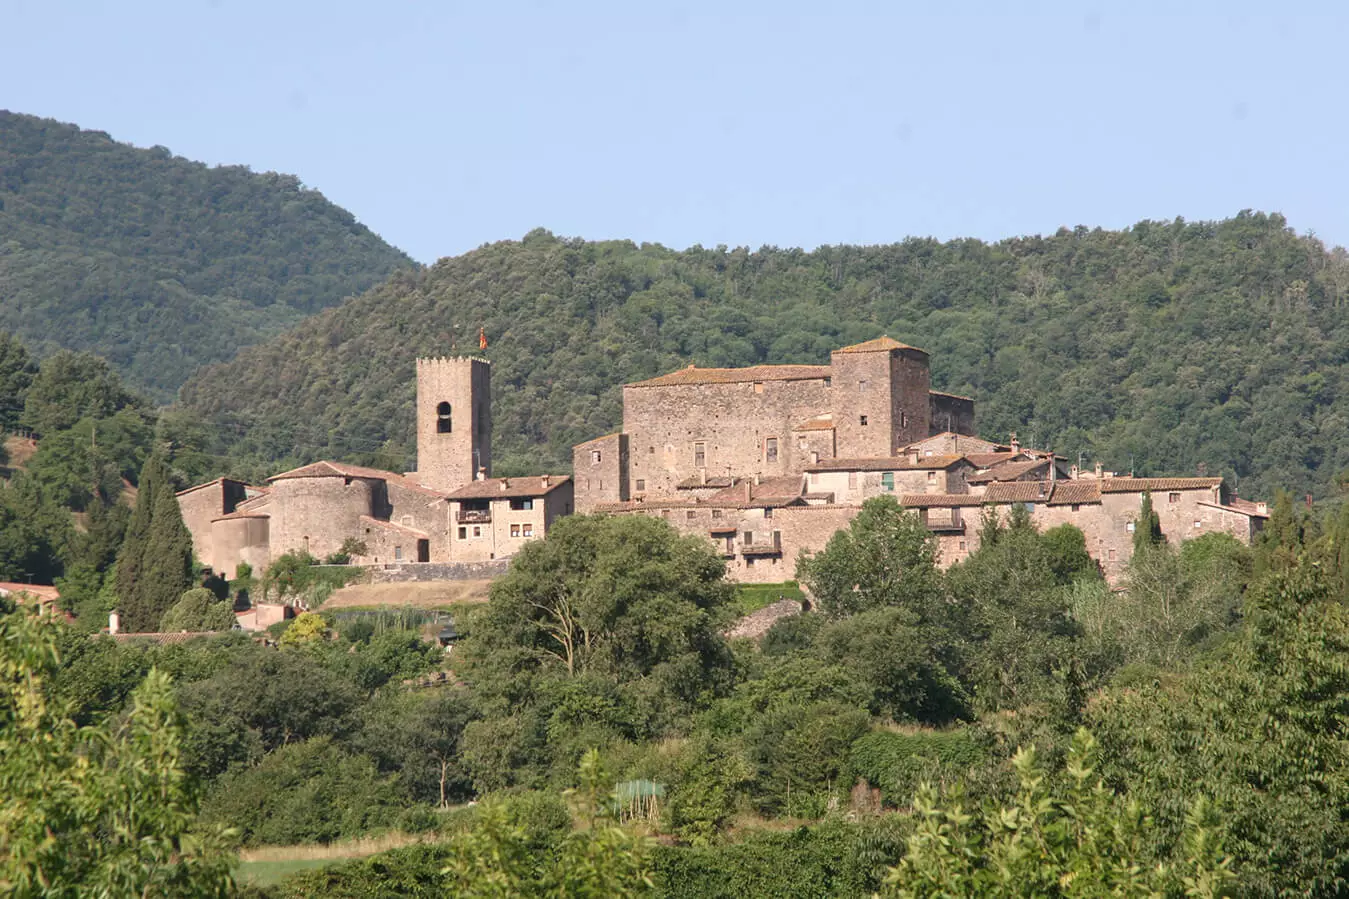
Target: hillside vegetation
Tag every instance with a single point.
(160, 264)
(1166, 347)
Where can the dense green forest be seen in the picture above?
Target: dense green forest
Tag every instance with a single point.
(1165, 347)
(1009, 727)
(160, 264)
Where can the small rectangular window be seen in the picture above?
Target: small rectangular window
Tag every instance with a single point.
(862, 386)
(515, 530)
(716, 513)
(932, 477)
(641, 483)
(1198, 523)
(477, 530)
(463, 533)
(862, 420)
(767, 513)
(888, 480)
(595, 457)
(749, 561)
(690, 514)
(1110, 555)
(903, 419)
(527, 530)
(1173, 497)
(522, 505)
(1076, 507)
(749, 538)
(852, 479)
(758, 386)
(963, 546)
(770, 449)
(650, 450)
(398, 553)
(700, 455)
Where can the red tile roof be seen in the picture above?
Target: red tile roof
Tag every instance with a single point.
(745, 494)
(1018, 492)
(879, 345)
(598, 439)
(1076, 492)
(1138, 485)
(696, 483)
(1008, 471)
(327, 469)
(887, 463)
(692, 375)
(1247, 507)
(939, 500)
(510, 488)
(41, 592)
(988, 460)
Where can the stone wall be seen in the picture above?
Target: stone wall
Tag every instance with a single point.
(947, 412)
(453, 445)
(600, 471)
(317, 515)
(880, 401)
(733, 422)
(438, 571)
(422, 511)
(203, 504)
(244, 539)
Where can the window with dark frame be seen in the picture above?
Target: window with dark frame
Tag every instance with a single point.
(700, 455)
(770, 449)
(444, 418)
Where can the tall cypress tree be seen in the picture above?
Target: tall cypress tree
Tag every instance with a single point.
(1148, 526)
(154, 567)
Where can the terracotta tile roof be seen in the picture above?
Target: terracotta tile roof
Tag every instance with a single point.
(197, 487)
(879, 345)
(773, 492)
(41, 592)
(887, 463)
(327, 469)
(390, 526)
(939, 500)
(1008, 471)
(1076, 492)
(237, 514)
(822, 422)
(255, 503)
(1017, 492)
(1138, 485)
(988, 460)
(692, 375)
(407, 483)
(510, 488)
(1247, 507)
(954, 396)
(598, 439)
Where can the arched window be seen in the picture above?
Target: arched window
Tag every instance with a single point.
(444, 421)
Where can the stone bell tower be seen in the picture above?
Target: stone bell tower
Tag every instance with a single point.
(454, 421)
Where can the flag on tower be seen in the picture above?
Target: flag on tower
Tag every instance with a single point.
(482, 338)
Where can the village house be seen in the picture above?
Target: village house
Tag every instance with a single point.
(450, 510)
(769, 461)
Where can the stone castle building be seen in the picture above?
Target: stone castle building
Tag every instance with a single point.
(768, 461)
(449, 510)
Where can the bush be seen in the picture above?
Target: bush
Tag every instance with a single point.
(898, 763)
(197, 611)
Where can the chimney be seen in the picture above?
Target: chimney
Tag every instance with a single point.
(1014, 443)
(1098, 470)
(505, 483)
(481, 475)
(1262, 508)
(749, 490)
(114, 622)
(545, 480)
(1074, 472)
(756, 479)
(914, 457)
(814, 458)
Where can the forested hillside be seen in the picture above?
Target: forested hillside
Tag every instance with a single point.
(1169, 346)
(160, 264)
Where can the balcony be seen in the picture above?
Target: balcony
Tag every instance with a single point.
(473, 516)
(761, 544)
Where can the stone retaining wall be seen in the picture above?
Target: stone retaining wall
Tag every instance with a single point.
(438, 571)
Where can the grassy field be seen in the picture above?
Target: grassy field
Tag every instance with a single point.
(267, 865)
(753, 597)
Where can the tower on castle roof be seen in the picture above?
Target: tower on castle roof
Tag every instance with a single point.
(454, 421)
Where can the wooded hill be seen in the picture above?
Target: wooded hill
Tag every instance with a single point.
(160, 264)
(1169, 347)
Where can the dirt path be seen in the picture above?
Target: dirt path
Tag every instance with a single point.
(423, 595)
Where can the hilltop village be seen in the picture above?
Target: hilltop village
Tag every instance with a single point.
(764, 462)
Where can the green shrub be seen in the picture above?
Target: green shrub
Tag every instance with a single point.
(898, 763)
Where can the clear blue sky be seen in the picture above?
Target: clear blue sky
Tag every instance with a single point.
(447, 125)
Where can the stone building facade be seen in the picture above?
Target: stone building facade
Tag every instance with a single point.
(410, 518)
(771, 461)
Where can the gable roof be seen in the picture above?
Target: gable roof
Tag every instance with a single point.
(329, 469)
(954, 396)
(939, 500)
(391, 526)
(1018, 492)
(40, 592)
(220, 481)
(887, 463)
(694, 375)
(1075, 492)
(1008, 471)
(989, 459)
(882, 344)
(1138, 485)
(768, 493)
(510, 488)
